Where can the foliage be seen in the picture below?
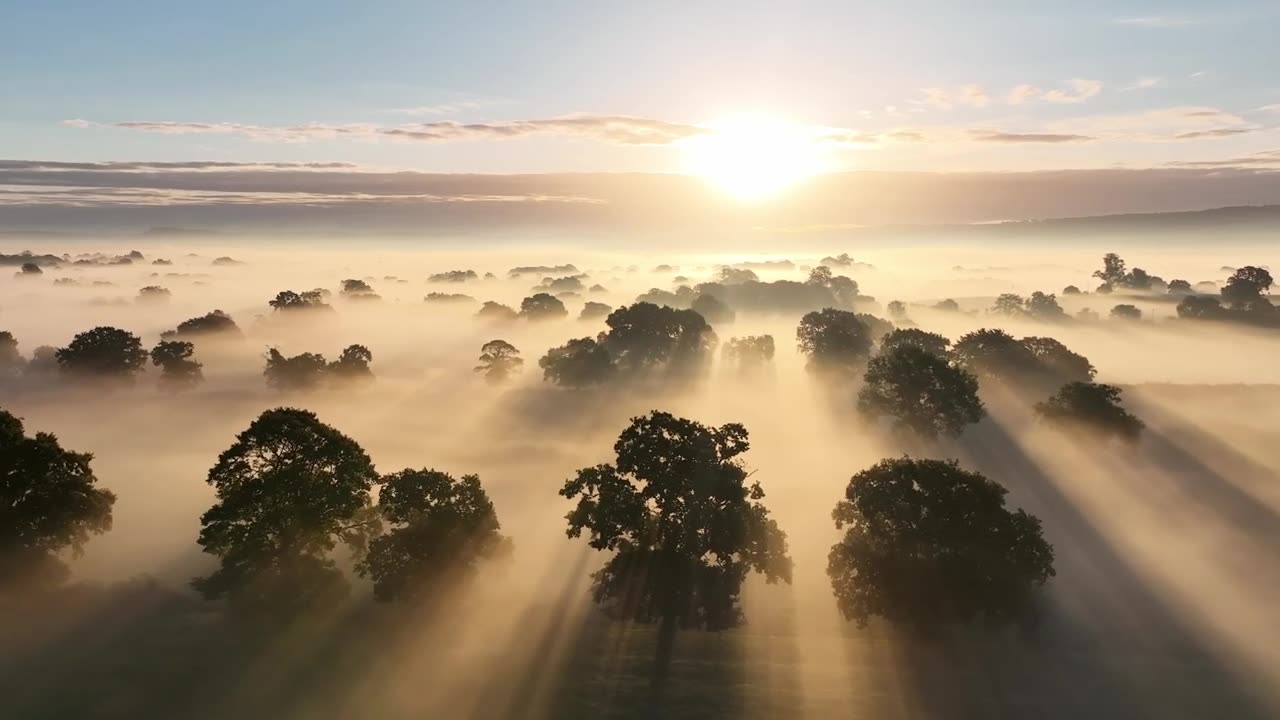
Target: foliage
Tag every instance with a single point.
(154, 294)
(594, 311)
(212, 324)
(713, 309)
(288, 490)
(1008, 304)
(920, 391)
(10, 358)
(358, 290)
(1058, 361)
(1093, 406)
(496, 311)
(442, 530)
(106, 352)
(947, 305)
(453, 276)
(352, 364)
(833, 341)
(49, 503)
(174, 359)
(300, 372)
(578, 363)
(288, 300)
(1246, 283)
(542, 306)
(1201, 307)
(684, 525)
(915, 337)
(929, 543)
(644, 338)
(499, 360)
(736, 276)
(1126, 312)
(750, 351)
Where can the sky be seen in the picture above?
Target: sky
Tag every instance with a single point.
(567, 87)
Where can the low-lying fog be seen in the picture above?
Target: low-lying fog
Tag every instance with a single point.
(1168, 551)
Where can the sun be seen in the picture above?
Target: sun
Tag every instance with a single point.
(754, 156)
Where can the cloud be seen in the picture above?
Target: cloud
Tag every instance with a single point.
(451, 108)
(62, 196)
(1270, 108)
(1142, 83)
(1164, 124)
(186, 165)
(1157, 21)
(617, 129)
(998, 136)
(1081, 90)
(1023, 93)
(1264, 160)
(943, 99)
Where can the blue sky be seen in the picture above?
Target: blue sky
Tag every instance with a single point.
(929, 85)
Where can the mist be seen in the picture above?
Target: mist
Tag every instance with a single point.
(1166, 582)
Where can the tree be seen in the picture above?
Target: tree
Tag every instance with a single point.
(30, 270)
(578, 363)
(442, 531)
(154, 294)
(453, 276)
(1200, 307)
(594, 311)
(358, 290)
(1126, 312)
(105, 352)
(921, 392)
(1043, 306)
(1180, 287)
(749, 352)
(177, 367)
(300, 372)
(1092, 406)
(352, 364)
(10, 358)
(1113, 270)
(947, 305)
(499, 360)
(684, 526)
(713, 309)
(1008, 304)
(1246, 283)
(994, 354)
(49, 503)
(44, 362)
(289, 301)
(216, 323)
(542, 306)
(833, 341)
(736, 276)
(915, 337)
(1058, 362)
(496, 311)
(843, 289)
(645, 338)
(929, 543)
(1071, 290)
(897, 310)
(288, 491)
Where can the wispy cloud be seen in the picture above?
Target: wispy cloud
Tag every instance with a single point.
(1022, 94)
(1142, 83)
(944, 99)
(1164, 124)
(998, 136)
(618, 129)
(1080, 90)
(1158, 21)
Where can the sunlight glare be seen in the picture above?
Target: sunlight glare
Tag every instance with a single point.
(753, 156)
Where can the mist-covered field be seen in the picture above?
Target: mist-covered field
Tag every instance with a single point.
(1166, 549)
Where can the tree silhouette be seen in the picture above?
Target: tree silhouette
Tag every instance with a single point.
(359, 290)
(453, 276)
(49, 503)
(154, 294)
(921, 392)
(177, 367)
(496, 311)
(442, 531)
(1201, 307)
(594, 311)
(995, 354)
(929, 543)
(834, 341)
(683, 524)
(499, 360)
(1245, 284)
(1113, 270)
(1180, 287)
(105, 352)
(1043, 306)
(578, 363)
(542, 306)
(644, 337)
(216, 323)
(300, 372)
(843, 289)
(1008, 304)
(1126, 312)
(288, 491)
(749, 352)
(29, 270)
(713, 309)
(10, 358)
(1058, 363)
(947, 305)
(44, 362)
(1091, 406)
(352, 364)
(736, 276)
(1071, 290)
(288, 300)
(915, 337)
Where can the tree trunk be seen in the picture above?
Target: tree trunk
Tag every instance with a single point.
(667, 629)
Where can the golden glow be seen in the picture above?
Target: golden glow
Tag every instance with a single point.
(754, 156)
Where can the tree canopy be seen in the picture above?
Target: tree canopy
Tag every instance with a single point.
(216, 323)
(834, 341)
(352, 364)
(174, 359)
(499, 360)
(442, 531)
(49, 503)
(300, 372)
(578, 363)
(749, 352)
(288, 491)
(1091, 406)
(683, 523)
(921, 392)
(542, 306)
(915, 337)
(929, 543)
(105, 352)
